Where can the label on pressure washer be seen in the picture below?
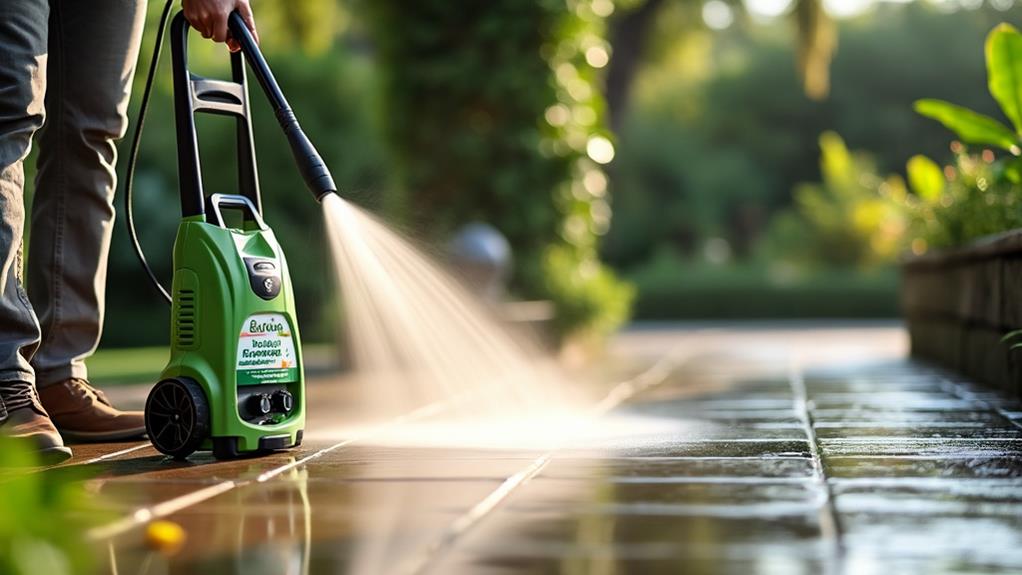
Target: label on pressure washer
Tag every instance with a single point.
(266, 351)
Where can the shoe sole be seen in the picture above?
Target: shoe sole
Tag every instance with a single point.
(53, 455)
(101, 436)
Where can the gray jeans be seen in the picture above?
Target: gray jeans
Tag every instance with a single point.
(71, 63)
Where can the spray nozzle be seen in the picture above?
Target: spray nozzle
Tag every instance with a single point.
(310, 164)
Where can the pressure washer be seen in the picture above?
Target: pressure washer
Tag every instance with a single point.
(235, 381)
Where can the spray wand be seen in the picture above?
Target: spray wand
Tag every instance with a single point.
(314, 171)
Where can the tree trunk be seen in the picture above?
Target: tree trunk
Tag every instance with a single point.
(628, 33)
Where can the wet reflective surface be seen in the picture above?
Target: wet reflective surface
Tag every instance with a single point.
(756, 451)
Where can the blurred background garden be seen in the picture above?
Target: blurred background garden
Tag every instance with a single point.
(647, 159)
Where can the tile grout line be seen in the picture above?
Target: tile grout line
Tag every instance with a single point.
(98, 459)
(114, 454)
(830, 524)
(620, 393)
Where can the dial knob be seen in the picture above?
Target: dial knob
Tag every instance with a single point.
(283, 401)
(260, 403)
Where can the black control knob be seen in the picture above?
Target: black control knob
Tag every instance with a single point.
(283, 401)
(260, 403)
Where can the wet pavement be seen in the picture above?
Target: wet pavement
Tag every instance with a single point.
(719, 450)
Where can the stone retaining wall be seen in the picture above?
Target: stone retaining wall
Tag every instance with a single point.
(959, 303)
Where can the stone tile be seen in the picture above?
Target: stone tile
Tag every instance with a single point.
(983, 417)
(700, 412)
(982, 467)
(991, 543)
(870, 561)
(124, 496)
(667, 430)
(671, 447)
(825, 387)
(923, 429)
(894, 400)
(739, 403)
(286, 493)
(415, 469)
(676, 470)
(560, 534)
(920, 447)
(929, 497)
(720, 498)
(273, 542)
(368, 452)
(646, 560)
(149, 464)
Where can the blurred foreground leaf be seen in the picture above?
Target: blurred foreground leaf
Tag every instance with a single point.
(43, 516)
(971, 127)
(1004, 71)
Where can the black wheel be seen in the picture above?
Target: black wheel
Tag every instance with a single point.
(177, 417)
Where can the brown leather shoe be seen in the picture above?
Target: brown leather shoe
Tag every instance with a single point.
(83, 413)
(24, 420)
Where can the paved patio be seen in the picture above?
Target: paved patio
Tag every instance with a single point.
(743, 449)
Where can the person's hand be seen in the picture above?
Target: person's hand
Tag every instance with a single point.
(209, 18)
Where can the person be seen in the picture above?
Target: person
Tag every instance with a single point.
(71, 63)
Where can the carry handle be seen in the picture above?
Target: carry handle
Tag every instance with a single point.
(194, 94)
(311, 165)
(249, 212)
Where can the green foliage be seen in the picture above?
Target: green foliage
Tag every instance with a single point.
(851, 219)
(671, 286)
(493, 114)
(971, 127)
(925, 178)
(976, 200)
(1004, 78)
(1004, 71)
(43, 517)
(719, 132)
(587, 295)
(981, 193)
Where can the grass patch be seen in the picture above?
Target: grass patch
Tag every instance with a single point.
(131, 365)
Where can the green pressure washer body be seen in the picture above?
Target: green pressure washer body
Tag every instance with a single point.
(235, 380)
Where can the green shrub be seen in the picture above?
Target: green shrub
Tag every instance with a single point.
(673, 287)
(967, 200)
(493, 113)
(852, 219)
(587, 295)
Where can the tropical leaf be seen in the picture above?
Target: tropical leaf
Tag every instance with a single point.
(925, 178)
(971, 127)
(1004, 71)
(1012, 335)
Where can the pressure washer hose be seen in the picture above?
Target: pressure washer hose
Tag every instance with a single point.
(136, 139)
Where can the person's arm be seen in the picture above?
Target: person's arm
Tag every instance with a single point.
(209, 18)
